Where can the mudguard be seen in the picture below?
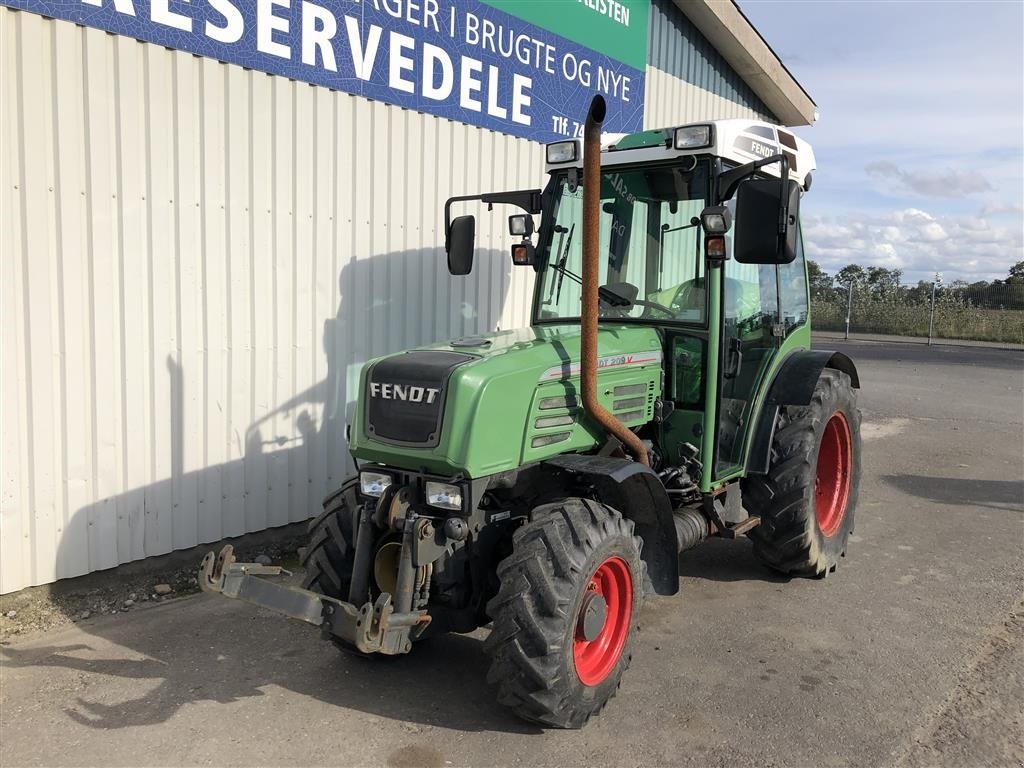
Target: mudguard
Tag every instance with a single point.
(635, 491)
(793, 385)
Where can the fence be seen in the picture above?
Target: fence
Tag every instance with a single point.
(992, 313)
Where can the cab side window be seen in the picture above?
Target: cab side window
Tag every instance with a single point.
(793, 288)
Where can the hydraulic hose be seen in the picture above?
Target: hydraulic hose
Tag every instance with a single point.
(588, 314)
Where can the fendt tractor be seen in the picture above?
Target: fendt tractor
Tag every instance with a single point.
(543, 480)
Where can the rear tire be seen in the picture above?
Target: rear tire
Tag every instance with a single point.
(808, 497)
(566, 613)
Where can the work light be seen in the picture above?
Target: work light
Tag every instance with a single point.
(716, 220)
(520, 224)
(562, 152)
(373, 483)
(444, 495)
(693, 137)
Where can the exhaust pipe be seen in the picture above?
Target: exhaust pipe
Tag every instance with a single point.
(588, 314)
(691, 528)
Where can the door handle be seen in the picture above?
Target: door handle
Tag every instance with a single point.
(735, 358)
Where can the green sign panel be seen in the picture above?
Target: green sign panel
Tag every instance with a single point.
(616, 28)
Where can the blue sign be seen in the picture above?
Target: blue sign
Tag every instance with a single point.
(460, 59)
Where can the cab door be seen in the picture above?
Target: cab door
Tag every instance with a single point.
(750, 340)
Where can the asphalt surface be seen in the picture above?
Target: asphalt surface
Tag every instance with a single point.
(911, 654)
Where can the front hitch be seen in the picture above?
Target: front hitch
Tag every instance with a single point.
(373, 628)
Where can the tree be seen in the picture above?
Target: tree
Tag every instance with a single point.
(852, 274)
(1016, 276)
(883, 283)
(920, 293)
(819, 279)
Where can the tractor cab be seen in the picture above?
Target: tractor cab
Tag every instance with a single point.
(674, 203)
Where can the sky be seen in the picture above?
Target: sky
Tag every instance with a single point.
(920, 138)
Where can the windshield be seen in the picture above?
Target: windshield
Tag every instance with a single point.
(650, 261)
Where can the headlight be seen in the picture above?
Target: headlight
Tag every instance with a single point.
(444, 496)
(373, 483)
(693, 137)
(561, 152)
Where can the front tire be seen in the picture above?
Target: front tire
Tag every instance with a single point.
(566, 613)
(808, 497)
(330, 552)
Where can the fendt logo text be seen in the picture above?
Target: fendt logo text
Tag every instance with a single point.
(408, 392)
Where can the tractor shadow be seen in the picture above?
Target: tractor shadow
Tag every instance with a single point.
(726, 560)
(1006, 495)
(204, 649)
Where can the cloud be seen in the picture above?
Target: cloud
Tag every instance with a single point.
(916, 242)
(920, 145)
(947, 183)
(998, 208)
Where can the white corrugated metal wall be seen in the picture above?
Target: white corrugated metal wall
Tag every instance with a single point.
(671, 101)
(196, 260)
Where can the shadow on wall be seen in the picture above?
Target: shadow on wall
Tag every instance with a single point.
(202, 649)
(292, 455)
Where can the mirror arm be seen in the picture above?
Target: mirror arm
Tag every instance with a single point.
(783, 196)
(527, 199)
(729, 180)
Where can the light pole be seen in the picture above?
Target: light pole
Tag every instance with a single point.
(849, 306)
(931, 311)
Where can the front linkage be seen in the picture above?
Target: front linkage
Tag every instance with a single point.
(389, 624)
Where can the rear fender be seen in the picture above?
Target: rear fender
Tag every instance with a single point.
(793, 384)
(635, 491)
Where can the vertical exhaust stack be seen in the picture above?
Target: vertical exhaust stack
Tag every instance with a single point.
(588, 314)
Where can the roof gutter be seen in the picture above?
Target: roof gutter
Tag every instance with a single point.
(731, 33)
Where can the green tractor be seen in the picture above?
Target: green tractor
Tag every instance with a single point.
(543, 480)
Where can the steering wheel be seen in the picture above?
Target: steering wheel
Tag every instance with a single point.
(653, 305)
(614, 310)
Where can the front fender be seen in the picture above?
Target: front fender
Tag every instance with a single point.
(637, 492)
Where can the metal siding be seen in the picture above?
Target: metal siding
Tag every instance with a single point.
(670, 101)
(677, 48)
(196, 260)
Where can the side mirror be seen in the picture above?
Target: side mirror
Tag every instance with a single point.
(461, 235)
(766, 217)
(520, 225)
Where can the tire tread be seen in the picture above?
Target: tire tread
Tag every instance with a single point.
(539, 582)
(784, 497)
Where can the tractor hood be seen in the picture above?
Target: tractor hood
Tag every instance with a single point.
(480, 405)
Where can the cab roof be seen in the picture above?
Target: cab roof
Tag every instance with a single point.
(739, 140)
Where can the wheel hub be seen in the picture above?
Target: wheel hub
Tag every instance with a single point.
(833, 473)
(593, 613)
(602, 622)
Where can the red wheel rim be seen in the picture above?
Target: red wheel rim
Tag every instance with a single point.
(832, 480)
(595, 659)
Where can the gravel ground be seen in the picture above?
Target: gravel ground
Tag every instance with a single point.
(126, 589)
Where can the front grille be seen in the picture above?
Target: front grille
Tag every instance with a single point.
(406, 396)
